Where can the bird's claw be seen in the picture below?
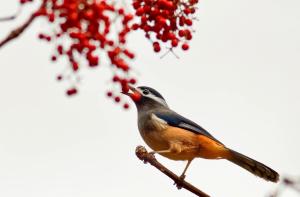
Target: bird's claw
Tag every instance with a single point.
(179, 183)
(182, 177)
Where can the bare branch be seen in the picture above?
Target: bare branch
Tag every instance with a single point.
(294, 184)
(12, 17)
(286, 183)
(143, 155)
(8, 18)
(18, 31)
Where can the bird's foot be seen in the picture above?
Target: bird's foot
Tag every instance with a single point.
(182, 177)
(179, 183)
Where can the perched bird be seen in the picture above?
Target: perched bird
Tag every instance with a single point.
(178, 138)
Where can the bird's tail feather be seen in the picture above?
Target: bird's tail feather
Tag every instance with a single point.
(253, 166)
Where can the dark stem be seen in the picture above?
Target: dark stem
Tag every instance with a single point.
(12, 17)
(8, 18)
(146, 157)
(18, 31)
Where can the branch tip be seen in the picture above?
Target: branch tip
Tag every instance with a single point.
(146, 157)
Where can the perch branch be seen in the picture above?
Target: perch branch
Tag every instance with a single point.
(143, 155)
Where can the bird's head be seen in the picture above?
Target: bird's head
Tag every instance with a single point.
(145, 97)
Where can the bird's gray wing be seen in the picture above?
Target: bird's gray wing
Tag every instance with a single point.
(176, 120)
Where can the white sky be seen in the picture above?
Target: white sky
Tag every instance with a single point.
(240, 80)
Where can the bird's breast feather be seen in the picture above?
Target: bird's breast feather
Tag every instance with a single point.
(158, 123)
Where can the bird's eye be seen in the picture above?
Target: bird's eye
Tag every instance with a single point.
(146, 92)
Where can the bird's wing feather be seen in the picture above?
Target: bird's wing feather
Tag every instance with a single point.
(176, 120)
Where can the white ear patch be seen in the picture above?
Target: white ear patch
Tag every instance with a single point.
(159, 123)
(159, 100)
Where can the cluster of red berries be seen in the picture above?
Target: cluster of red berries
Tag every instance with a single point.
(86, 30)
(93, 29)
(125, 88)
(166, 21)
(117, 99)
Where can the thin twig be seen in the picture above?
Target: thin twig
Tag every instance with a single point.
(143, 155)
(18, 31)
(292, 184)
(8, 18)
(12, 17)
(286, 183)
(168, 51)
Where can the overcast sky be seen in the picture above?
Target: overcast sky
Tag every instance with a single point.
(239, 80)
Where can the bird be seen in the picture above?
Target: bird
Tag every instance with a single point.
(173, 136)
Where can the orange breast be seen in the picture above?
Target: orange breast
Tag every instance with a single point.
(192, 145)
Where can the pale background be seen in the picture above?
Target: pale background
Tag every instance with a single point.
(240, 80)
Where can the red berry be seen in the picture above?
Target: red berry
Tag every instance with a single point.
(132, 81)
(109, 94)
(41, 36)
(117, 99)
(71, 91)
(116, 78)
(139, 11)
(156, 47)
(121, 11)
(126, 106)
(135, 26)
(89, 14)
(125, 88)
(53, 58)
(59, 78)
(75, 66)
(174, 43)
(51, 17)
(188, 22)
(128, 54)
(136, 96)
(185, 46)
(60, 49)
(136, 5)
(48, 38)
(187, 11)
(181, 33)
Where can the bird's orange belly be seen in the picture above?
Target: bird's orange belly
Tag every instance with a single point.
(190, 145)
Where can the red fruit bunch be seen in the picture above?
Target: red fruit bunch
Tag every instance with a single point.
(166, 21)
(86, 32)
(125, 88)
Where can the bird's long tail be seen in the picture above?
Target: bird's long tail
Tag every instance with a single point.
(253, 166)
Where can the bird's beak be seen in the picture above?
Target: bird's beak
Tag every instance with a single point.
(133, 93)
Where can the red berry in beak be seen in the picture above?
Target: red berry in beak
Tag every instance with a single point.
(135, 96)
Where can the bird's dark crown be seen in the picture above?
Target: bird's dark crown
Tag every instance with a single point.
(154, 92)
